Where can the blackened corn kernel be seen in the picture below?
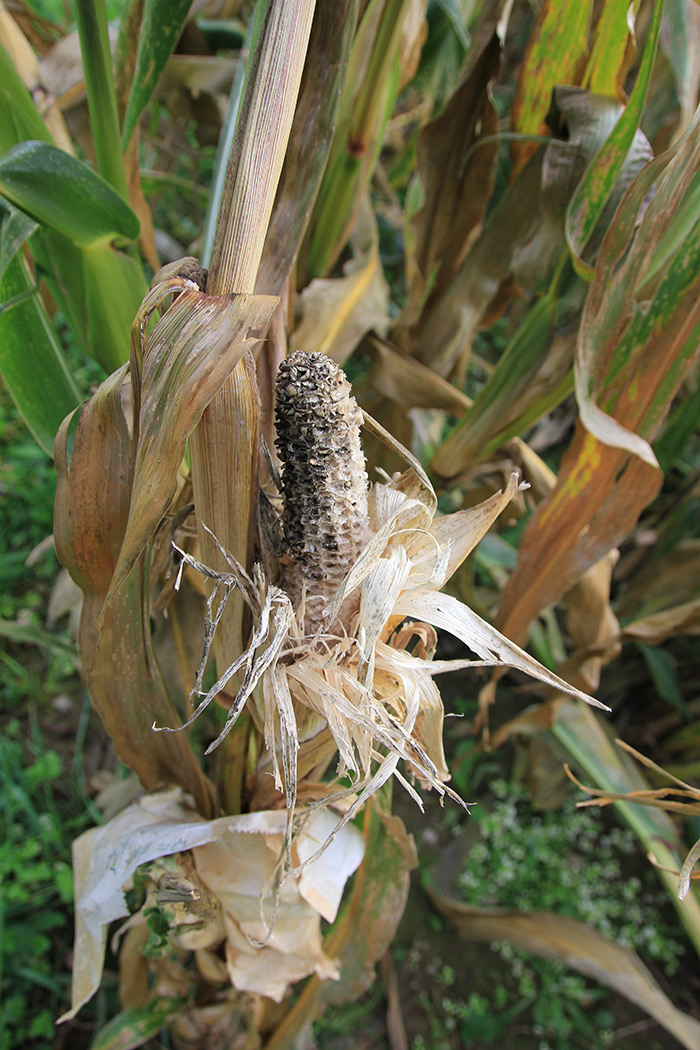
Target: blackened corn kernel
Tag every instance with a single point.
(324, 482)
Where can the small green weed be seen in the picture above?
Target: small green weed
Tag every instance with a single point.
(27, 487)
(568, 862)
(38, 820)
(42, 804)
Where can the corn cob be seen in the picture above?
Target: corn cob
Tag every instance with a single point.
(325, 520)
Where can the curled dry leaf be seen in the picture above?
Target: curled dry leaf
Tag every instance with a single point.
(180, 365)
(685, 799)
(657, 627)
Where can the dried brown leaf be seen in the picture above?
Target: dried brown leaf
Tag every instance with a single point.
(407, 382)
(578, 946)
(309, 141)
(186, 358)
(670, 579)
(118, 665)
(338, 312)
(447, 335)
(457, 179)
(658, 627)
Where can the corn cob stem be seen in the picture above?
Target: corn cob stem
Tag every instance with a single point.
(225, 445)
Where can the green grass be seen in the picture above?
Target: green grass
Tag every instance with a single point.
(27, 487)
(43, 806)
(40, 814)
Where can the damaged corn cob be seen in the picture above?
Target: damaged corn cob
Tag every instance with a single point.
(325, 520)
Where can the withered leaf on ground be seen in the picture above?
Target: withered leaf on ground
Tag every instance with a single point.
(577, 945)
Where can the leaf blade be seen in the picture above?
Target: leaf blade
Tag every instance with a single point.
(123, 677)
(189, 354)
(65, 194)
(596, 186)
(31, 360)
(161, 26)
(553, 55)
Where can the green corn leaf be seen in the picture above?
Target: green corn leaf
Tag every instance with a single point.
(456, 19)
(114, 288)
(679, 226)
(597, 184)
(19, 117)
(665, 677)
(609, 55)
(369, 92)
(133, 1028)
(162, 24)
(678, 431)
(59, 263)
(222, 34)
(97, 289)
(91, 20)
(65, 194)
(31, 361)
(507, 390)
(554, 52)
(32, 634)
(15, 228)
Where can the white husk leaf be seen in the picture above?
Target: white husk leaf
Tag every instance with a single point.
(241, 876)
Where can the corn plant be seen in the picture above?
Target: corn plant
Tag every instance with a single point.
(215, 483)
